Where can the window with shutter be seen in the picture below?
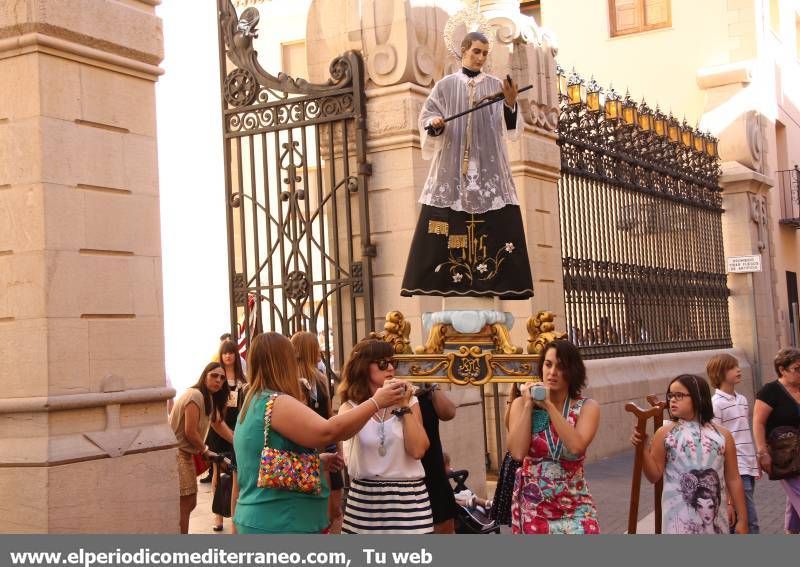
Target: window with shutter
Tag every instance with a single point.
(633, 16)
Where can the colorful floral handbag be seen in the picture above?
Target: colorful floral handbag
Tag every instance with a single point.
(287, 470)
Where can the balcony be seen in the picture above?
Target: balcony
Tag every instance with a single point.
(789, 195)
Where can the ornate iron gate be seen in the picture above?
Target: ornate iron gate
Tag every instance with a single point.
(299, 250)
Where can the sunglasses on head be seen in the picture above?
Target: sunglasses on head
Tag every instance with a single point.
(384, 363)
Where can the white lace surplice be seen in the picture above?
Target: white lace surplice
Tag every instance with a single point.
(488, 184)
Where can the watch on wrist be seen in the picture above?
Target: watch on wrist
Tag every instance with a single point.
(400, 412)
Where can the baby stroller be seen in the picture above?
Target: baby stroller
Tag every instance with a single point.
(472, 519)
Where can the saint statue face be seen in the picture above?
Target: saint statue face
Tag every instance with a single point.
(475, 57)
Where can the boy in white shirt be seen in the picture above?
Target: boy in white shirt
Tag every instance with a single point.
(731, 411)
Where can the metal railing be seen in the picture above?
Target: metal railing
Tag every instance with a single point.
(640, 213)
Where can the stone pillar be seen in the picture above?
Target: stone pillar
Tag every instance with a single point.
(745, 232)
(404, 52)
(84, 443)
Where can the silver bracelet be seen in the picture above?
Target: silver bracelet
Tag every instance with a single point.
(377, 407)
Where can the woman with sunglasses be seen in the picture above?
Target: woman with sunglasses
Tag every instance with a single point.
(387, 480)
(697, 461)
(200, 407)
(778, 405)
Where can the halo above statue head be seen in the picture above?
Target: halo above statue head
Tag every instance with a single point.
(461, 23)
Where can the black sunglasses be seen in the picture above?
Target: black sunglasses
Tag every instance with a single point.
(384, 363)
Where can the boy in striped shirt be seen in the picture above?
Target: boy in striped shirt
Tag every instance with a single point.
(731, 411)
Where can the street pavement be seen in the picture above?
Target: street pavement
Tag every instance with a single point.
(610, 484)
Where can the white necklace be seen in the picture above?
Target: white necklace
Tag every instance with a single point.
(382, 434)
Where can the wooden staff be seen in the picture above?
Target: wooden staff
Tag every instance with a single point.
(485, 101)
(658, 421)
(642, 417)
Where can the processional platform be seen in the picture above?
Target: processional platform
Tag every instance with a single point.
(474, 358)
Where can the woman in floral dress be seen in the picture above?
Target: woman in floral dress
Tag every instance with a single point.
(697, 461)
(550, 432)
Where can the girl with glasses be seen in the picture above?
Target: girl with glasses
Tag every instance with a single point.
(387, 480)
(697, 460)
(778, 405)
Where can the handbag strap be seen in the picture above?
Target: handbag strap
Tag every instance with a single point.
(268, 416)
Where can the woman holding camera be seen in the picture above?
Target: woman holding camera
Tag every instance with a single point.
(552, 426)
(387, 481)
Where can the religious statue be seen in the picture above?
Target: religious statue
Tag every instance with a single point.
(469, 240)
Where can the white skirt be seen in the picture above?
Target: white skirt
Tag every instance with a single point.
(387, 507)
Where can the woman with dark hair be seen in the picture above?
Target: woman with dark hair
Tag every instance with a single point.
(778, 405)
(274, 385)
(550, 431)
(318, 398)
(387, 481)
(200, 407)
(692, 453)
(231, 362)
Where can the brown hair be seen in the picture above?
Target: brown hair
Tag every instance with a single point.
(355, 375)
(785, 358)
(718, 367)
(271, 365)
(472, 37)
(306, 347)
(572, 366)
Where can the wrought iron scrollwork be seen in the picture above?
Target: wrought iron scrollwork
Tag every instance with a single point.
(238, 34)
(296, 179)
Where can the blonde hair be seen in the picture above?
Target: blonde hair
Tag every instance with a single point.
(271, 365)
(306, 347)
(718, 366)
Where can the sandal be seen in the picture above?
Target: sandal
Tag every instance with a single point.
(218, 528)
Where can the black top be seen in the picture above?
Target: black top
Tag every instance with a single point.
(443, 502)
(785, 410)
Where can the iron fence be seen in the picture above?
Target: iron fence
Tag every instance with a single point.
(640, 214)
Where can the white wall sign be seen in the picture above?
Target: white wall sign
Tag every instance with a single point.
(744, 264)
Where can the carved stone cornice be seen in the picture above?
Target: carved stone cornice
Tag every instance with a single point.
(39, 38)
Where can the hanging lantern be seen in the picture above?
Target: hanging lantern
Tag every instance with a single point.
(673, 129)
(593, 91)
(629, 113)
(562, 81)
(613, 106)
(687, 135)
(660, 123)
(711, 146)
(645, 117)
(574, 87)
